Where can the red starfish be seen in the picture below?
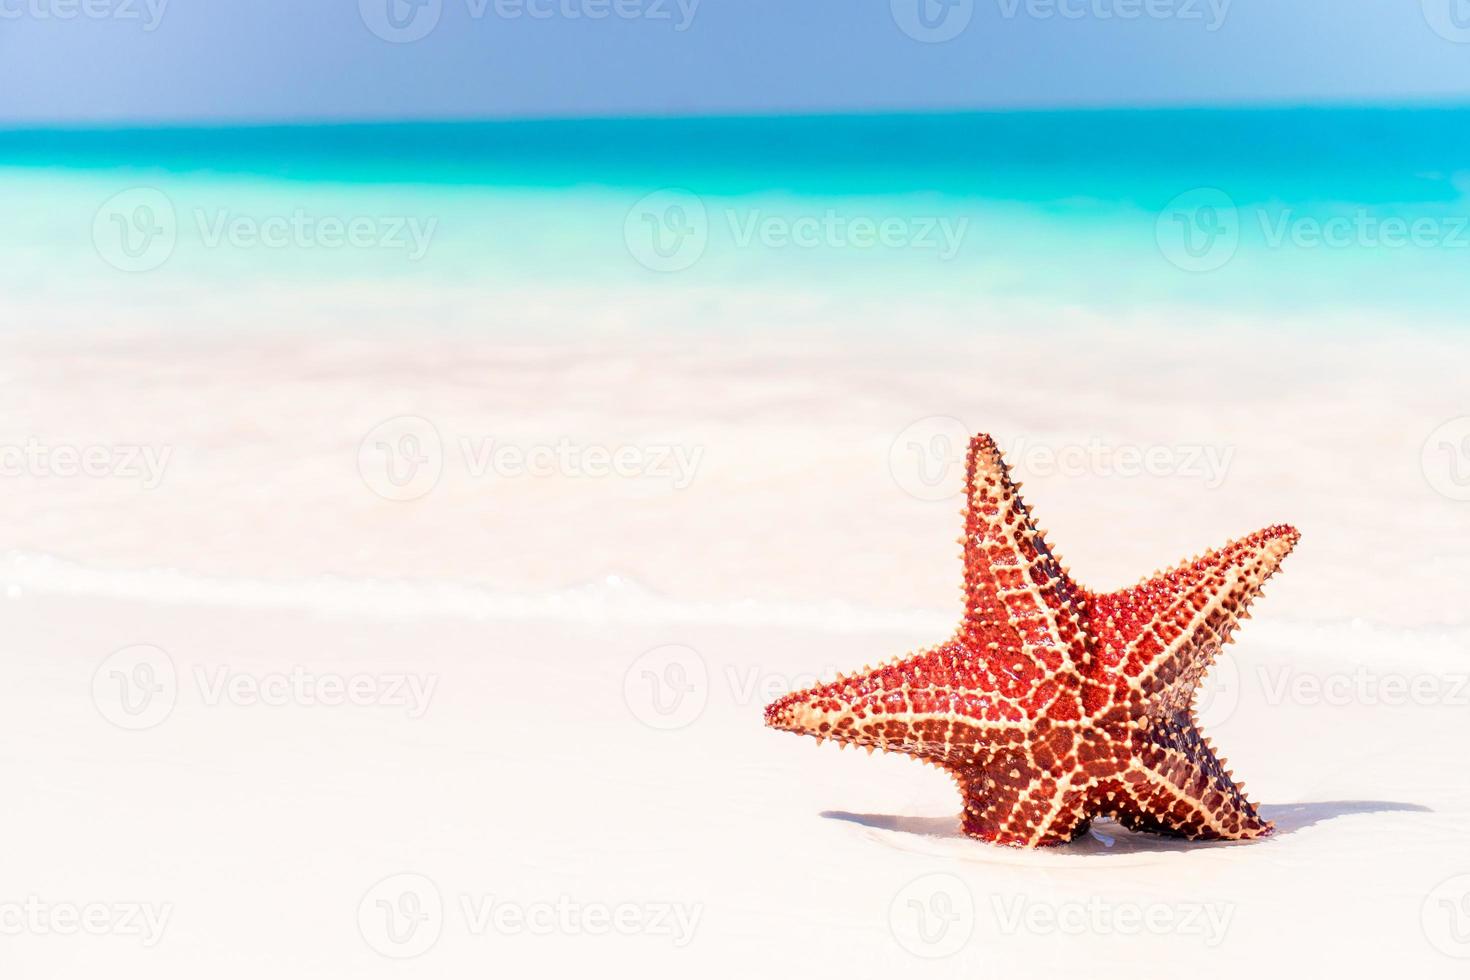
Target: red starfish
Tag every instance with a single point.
(1053, 704)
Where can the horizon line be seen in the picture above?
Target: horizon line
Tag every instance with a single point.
(110, 125)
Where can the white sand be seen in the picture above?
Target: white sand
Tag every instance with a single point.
(519, 743)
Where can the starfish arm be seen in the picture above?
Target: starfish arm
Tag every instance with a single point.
(1009, 800)
(1160, 636)
(933, 705)
(1032, 792)
(1021, 606)
(1176, 785)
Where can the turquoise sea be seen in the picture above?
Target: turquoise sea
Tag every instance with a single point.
(1295, 210)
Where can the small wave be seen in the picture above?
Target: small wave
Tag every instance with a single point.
(608, 599)
(617, 600)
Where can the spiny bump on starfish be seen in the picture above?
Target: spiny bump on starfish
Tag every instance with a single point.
(1052, 704)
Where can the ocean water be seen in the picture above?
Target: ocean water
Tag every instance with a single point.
(851, 284)
(1321, 214)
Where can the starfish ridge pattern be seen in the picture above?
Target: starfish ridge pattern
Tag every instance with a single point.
(1052, 704)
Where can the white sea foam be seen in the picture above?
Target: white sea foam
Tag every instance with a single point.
(609, 599)
(618, 600)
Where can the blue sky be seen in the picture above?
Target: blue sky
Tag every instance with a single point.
(174, 60)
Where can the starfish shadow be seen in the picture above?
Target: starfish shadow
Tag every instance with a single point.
(1291, 817)
(921, 826)
(1107, 836)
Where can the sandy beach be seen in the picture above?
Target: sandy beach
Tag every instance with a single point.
(292, 685)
